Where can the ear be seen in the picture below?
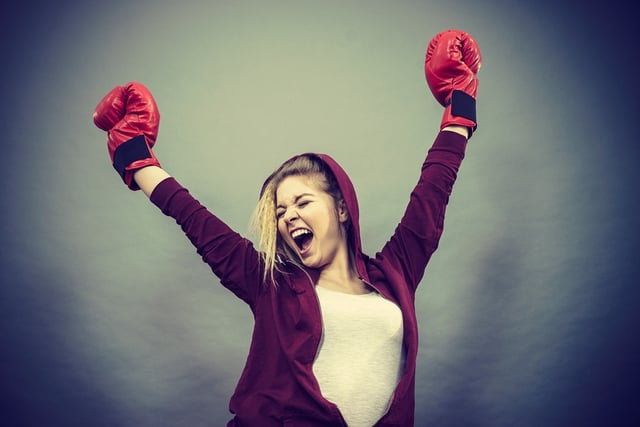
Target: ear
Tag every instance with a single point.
(343, 213)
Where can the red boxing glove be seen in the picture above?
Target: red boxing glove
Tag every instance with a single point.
(130, 117)
(451, 64)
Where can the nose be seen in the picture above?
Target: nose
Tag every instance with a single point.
(291, 215)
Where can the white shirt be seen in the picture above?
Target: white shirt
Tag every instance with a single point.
(360, 359)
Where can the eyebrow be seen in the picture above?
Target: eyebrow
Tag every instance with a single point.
(298, 197)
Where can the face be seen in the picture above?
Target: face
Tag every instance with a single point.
(308, 221)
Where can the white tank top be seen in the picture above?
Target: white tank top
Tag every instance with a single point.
(360, 360)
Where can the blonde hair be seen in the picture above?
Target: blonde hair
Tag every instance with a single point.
(264, 222)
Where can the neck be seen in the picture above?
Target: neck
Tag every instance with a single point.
(341, 275)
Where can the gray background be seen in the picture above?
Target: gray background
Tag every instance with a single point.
(528, 311)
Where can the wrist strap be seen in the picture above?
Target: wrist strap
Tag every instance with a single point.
(463, 105)
(129, 152)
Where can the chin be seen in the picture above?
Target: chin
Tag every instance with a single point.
(313, 263)
(308, 263)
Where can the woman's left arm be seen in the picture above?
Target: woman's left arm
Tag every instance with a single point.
(451, 65)
(417, 235)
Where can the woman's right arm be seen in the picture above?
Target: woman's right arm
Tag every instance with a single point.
(130, 117)
(231, 257)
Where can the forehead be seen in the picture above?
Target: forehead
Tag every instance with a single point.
(295, 185)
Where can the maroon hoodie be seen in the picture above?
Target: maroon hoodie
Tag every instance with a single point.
(277, 386)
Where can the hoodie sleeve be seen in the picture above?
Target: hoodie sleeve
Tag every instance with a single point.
(231, 257)
(417, 235)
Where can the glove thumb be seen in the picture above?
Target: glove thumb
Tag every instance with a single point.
(111, 109)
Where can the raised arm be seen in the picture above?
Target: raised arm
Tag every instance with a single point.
(452, 62)
(130, 117)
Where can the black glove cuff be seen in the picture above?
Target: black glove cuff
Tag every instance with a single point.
(129, 152)
(463, 105)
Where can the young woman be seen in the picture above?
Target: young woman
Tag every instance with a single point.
(335, 336)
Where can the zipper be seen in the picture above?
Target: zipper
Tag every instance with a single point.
(366, 282)
(393, 394)
(315, 295)
(333, 406)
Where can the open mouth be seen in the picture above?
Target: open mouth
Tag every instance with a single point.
(302, 238)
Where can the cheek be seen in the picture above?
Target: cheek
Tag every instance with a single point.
(282, 229)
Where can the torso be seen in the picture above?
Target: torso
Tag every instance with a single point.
(361, 356)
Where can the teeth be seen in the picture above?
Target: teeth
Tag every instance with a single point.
(299, 232)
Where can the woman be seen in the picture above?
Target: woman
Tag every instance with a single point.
(335, 338)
